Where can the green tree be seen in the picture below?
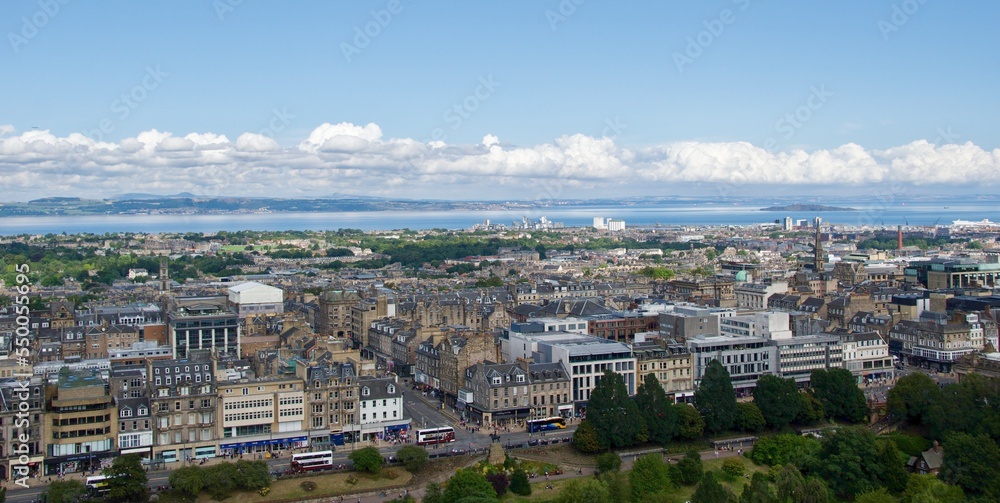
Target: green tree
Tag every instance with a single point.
(586, 440)
(814, 491)
(614, 414)
(221, 480)
(710, 490)
(777, 399)
(733, 467)
(691, 425)
(608, 462)
(930, 489)
(912, 397)
(892, 466)
(585, 490)
(715, 398)
(880, 495)
(519, 484)
(649, 476)
(368, 459)
(849, 461)
(64, 491)
(656, 410)
(127, 480)
(758, 490)
(970, 462)
(810, 409)
(617, 484)
(189, 480)
(749, 418)
(787, 448)
(789, 483)
(690, 467)
(468, 483)
(838, 391)
(432, 493)
(413, 457)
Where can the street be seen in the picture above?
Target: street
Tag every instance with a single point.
(424, 411)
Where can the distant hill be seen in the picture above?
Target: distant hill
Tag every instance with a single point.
(143, 195)
(806, 207)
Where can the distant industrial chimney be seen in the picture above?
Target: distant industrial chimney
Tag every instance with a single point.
(899, 237)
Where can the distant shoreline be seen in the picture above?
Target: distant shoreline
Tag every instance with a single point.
(806, 207)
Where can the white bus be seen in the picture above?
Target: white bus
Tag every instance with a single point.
(312, 461)
(441, 435)
(98, 485)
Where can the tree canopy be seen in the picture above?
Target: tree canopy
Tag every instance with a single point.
(656, 410)
(715, 398)
(777, 399)
(614, 413)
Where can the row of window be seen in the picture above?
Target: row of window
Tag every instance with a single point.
(246, 416)
(81, 420)
(364, 417)
(81, 433)
(249, 404)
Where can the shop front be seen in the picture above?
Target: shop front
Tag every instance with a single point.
(263, 445)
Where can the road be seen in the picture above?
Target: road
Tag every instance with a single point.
(425, 412)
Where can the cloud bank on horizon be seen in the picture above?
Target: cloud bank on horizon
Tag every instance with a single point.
(349, 158)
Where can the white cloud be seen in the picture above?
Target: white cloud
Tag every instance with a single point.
(349, 158)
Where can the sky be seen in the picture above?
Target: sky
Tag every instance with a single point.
(511, 99)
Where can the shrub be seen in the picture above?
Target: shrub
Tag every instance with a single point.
(608, 462)
(414, 458)
(308, 485)
(733, 467)
(499, 482)
(519, 483)
(367, 460)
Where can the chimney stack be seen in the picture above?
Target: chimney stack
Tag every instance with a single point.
(899, 237)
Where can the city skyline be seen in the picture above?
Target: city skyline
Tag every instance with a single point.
(555, 100)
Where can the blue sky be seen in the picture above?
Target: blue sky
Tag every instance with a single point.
(874, 75)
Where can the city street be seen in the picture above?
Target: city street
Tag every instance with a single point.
(424, 410)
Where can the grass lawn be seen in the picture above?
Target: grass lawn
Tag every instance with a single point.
(327, 485)
(556, 454)
(684, 493)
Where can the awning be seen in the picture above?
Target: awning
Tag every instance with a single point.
(139, 450)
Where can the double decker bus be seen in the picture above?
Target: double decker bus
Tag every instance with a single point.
(97, 486)
(312, 461)
(441, 435)
(549, 423)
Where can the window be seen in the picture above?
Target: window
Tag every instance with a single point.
(126, 413)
